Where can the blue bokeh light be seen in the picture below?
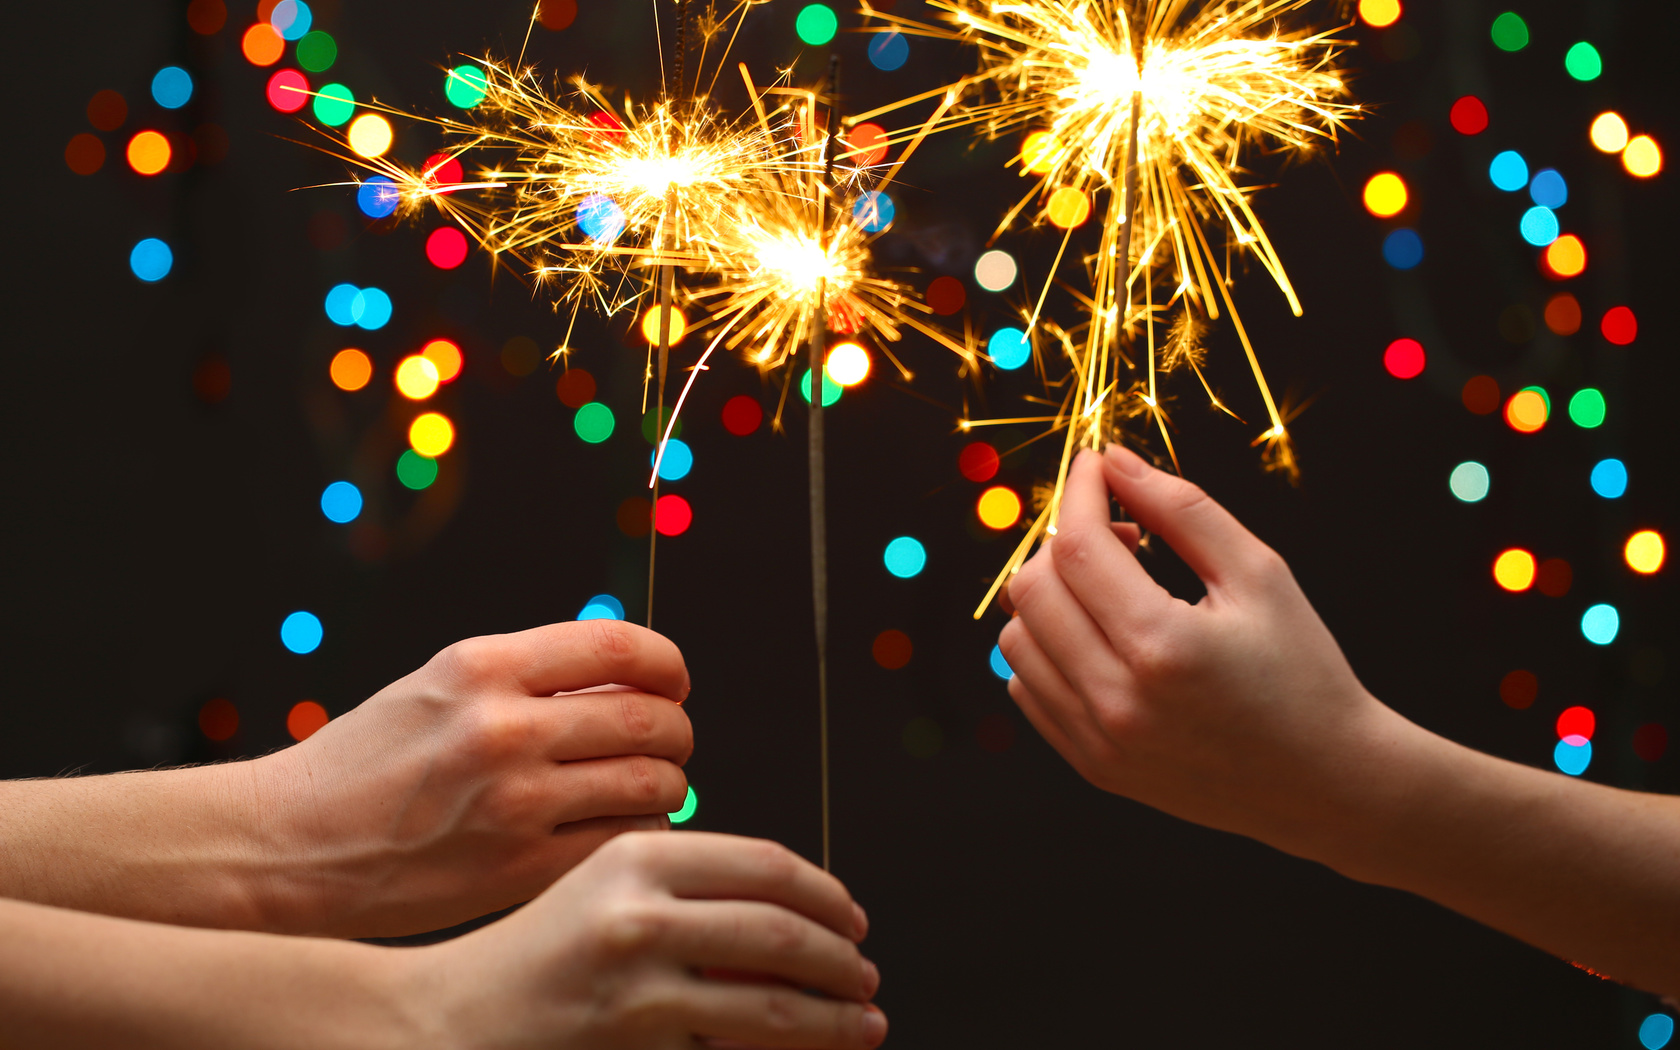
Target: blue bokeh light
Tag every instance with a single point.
(1000, 666)
(874, 211)
(1601, 623)
(1509, 171)
(172, 87)
(905, 557)
(292, 19)
(151, 260)
(888, 51)
(600, 218)
(1573, 755)
(301, 632)
(1548, 189)
(378, 197)
(602, 607)
(1610, 478)
(677, 461)
(341, 302)
(1539, 226)
(1403, 249)
(1009, 348)
(371, 309)
(1656, 1031)
(341, 502)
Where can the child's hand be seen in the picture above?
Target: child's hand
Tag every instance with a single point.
(468, 786)
(1238, 712)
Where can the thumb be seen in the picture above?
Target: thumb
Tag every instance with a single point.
(1214, 544)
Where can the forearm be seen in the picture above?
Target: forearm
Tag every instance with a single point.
(1587, 872)
(69, 979)
(179, 846)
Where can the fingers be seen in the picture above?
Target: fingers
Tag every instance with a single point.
(698, 865)
(607, 787)
(610, 724)
(1039, 689)
(1212, 542)
(765, 1015)
(1059, 626)
(1128, 532)
(750, 937)
(1098, 569)
(562, 657)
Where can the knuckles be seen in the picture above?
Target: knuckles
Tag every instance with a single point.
(614, 646)
(471, 661)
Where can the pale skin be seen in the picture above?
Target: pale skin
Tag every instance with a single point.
(1240, 713)
(463, 788)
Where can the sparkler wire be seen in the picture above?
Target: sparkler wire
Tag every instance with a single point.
(816, 452)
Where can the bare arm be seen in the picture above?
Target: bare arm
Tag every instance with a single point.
(1241, 713)
(463, 788)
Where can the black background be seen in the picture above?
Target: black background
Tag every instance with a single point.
(156, 541)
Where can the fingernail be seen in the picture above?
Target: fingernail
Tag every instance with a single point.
(1127, 462)
(860, 922)
(871, 979)
(874, 1026)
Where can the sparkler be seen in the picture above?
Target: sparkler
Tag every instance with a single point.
(1151, 104)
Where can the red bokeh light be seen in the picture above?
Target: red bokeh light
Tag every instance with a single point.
(609, 126)
(1650, 741)
(218, 719)
(443, 170)
(978, 462)
(742, 415)
(288, 91)
(1576, 721)
(1469, 116)
(575, 388)
(672, 515)
(1620, 326)
(1481, 395)
(446, 247)
(1404, 359)
(892, 649)
(946, 295)
(305, 719)
(1519, 689)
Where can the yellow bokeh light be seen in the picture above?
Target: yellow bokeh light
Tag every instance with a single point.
(350, 369)
(1642, 157)
(1609, 132)
(1385, 195)
(1514, 570)
(1068, 208)
(431, 434)
(1645, 551)
(1526, 412)
(1040, 152)
(417, 378)
(650, 326)
(999, 507)
(848, 364)
(1379, 13)
(1567, 256)
(370, 135)
(445, 356)
(148, 152)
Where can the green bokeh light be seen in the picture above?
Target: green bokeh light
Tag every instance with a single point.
(1586, 408)
(1510, 32)
(831, 389)
(593, 422)
(465, 86)
(817, 24)
(1583, 62)
(690, 804)
(416, 471)
(651, 424)
(317, 51)
(335, 104)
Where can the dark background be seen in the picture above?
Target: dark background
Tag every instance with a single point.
(155, 540)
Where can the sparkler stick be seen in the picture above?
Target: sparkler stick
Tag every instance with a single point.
(816, 455)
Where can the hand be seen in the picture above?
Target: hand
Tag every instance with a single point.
(469, 786)
(625, 952)
(1238, 712)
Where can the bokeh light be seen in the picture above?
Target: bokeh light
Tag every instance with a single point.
(1619, 326)
(317, 51)
(1576, 721)
(602, 607)
(1404, 359)
(288, 91)
(1610, 478)
(334, 105)
(1586, 408)
(172, 87)
(370, 135)
(1040, 153)
(1510, 32)
(655, 420)
(520, 356)
(999, 507)
(1583, 62)
(350, 369)
(415, 471)
(341, 502)
(148, 152)
(996, 270)
(816, 24)
(446, 248)
(218, 719)
(1642, 157)
(830, 389)
(446, 357)
(600, 218)
(557, 14)
(431, 434)
(262, 45)
(292, 19)
(978, 461)
(1609, 132)
(1600, 624)
(378, 197)
(999, 665)
(85, 154)
(905, 557)
(416, 378)
(1469, 116)
(889, 50)
(1645, 551)
(892, 649)
(1068, 208)
(1539, 226)
(1403, 249)
(1385, 195)
(654, 317)
(1470, 482)
(301, 632)
(945, 295)
(874, 211)
(742, 415)
(1554, 577)
(1009, 348)
(107, 110)
(1563, 314)
(1573, 755)
(206, 17)
(690, 806)
(848, 364)
(634, 517)
(672, 515)
(341, 302)
(305, 719)
(1656, 1031)
(1519, 689)
(1548, 188)
(1527, 410)
(370, 308)
(1514, 570)
(1566, 257)
(151, 260)
(1379, 13)
(1650, 743)
(677, 461)
(1481, 395)
(1508, 171)
(594, 422)
(465, 86)
(867, 144)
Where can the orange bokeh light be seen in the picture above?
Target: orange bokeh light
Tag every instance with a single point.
(148, 152)
(262, 45)
(305, 720)
(1566, 256)
(445, 356)
(350, 369)
(1527, 411)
